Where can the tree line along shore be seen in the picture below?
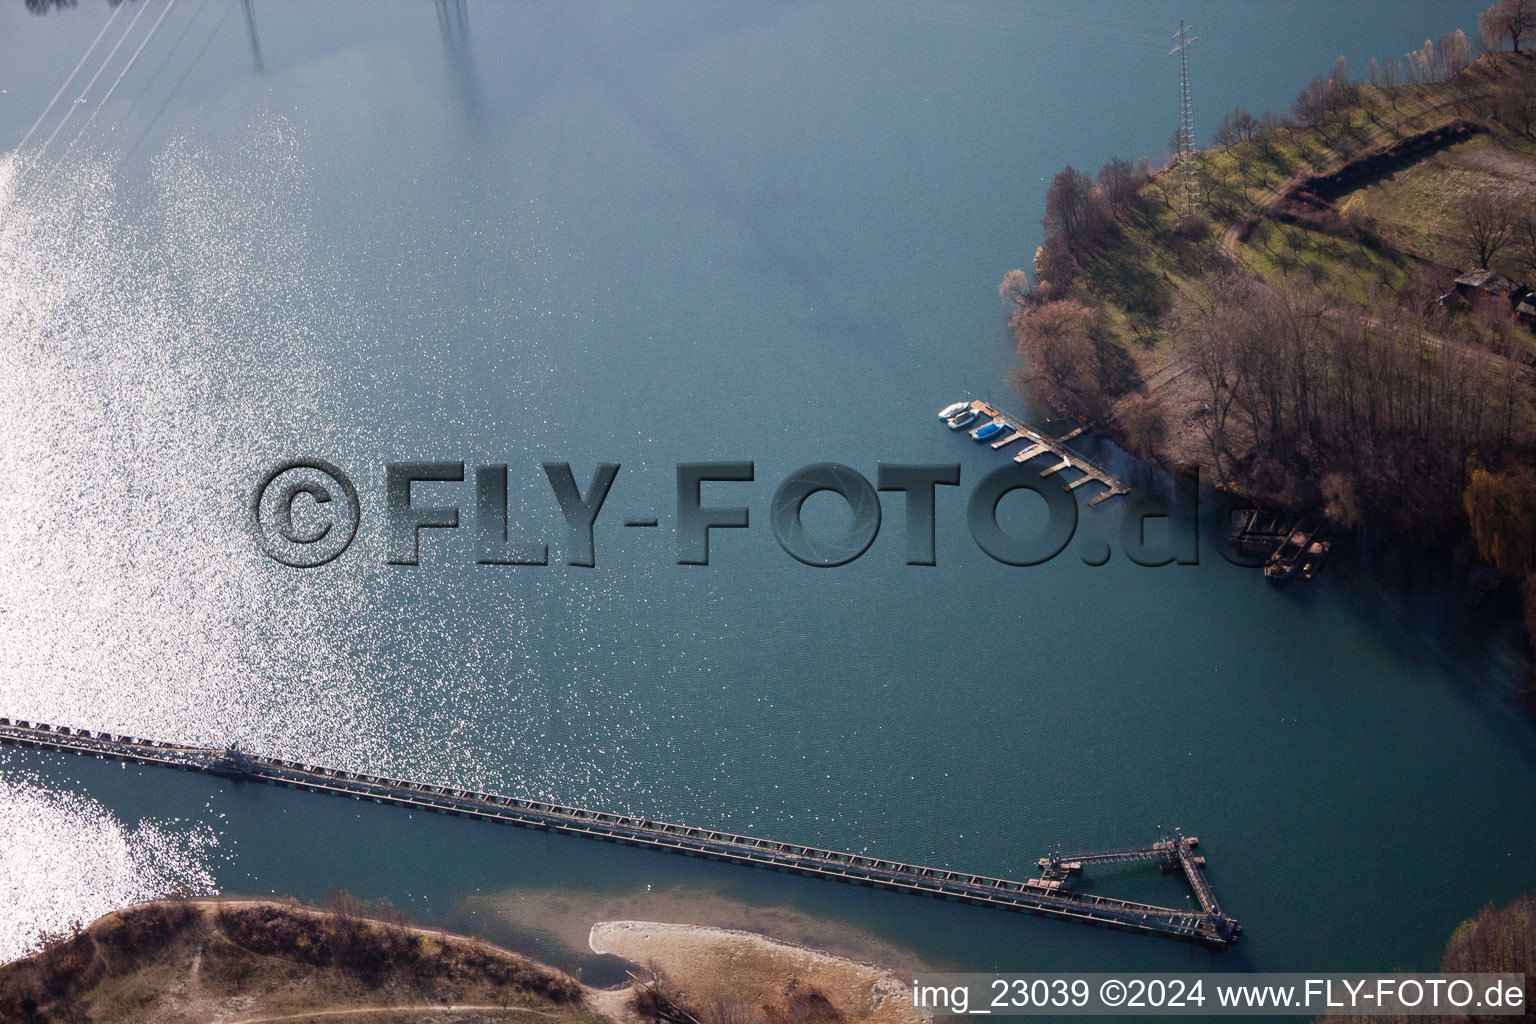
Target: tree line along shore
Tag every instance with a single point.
(1334, 313)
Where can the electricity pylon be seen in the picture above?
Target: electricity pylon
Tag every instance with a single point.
(1189, 173)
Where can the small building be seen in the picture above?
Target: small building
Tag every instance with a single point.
(1451, 300)
(1483, 283)
(1525, 311)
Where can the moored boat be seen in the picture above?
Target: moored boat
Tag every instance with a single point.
(987, 430)
(1312, 561)
(1300, 555)
(949, 412)
(965, 419)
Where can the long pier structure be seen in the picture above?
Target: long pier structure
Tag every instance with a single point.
(1050, 895)
(1041, 444)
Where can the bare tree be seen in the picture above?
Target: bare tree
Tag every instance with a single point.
(1486, 227)
(1391, 73)
(1516, 107)
(1316, 104)
(1238, 126)
(1267, 132)
(1203, 329)
(1525, 242)
(1062, 345)
(728, 1007)
(1075, 213)
(1144, 423)
(1016, 289)
(1455, 53)
(1339, 76)
(1425, 64)
(1055, 268)
(1508, 21)
(1120, 184)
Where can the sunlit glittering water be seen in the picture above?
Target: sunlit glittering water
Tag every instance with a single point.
(66, 860)
(649, 235)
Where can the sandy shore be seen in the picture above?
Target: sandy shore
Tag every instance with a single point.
(554, 924)
(707, 964)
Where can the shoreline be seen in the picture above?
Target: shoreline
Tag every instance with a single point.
(244, 960)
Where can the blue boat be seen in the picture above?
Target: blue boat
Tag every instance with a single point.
(987, 431)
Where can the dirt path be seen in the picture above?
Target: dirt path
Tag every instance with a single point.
(1159, 378)
(420, 1008)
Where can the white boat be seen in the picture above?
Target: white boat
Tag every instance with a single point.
(963, 420)
(951, 411)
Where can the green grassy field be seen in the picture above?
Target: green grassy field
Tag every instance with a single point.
(1408, 216)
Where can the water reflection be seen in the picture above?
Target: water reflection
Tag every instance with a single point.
(650, 248)
(453, 23)
(151, 358)
(65, 860)
(248, 8)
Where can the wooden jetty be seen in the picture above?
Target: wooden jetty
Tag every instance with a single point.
(1292, 550)
(1050, 895)
(1257, 532)
(1041, 444)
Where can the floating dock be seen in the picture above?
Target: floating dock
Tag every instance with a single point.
(1040, 444)
(1050, 895)
(1259, 532)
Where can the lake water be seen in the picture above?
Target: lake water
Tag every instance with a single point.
(647, 234)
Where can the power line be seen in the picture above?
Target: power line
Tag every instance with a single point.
(228, 9)
(83, 58)
(58, 164)
(120, 75)
(170, 51)
(112, 53)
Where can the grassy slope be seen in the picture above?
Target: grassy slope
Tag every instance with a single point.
(1137, 277)
(172, 963)
(1418, 208)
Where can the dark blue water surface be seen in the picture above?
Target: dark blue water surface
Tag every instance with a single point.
(645, 234)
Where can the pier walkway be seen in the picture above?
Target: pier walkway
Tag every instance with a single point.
(1050, 895)
(1169, 854)
(1039, 444)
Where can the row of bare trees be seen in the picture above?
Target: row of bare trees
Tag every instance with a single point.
(1071, 364)
(1377, 413)
(1507, 23)
(1438, 60)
